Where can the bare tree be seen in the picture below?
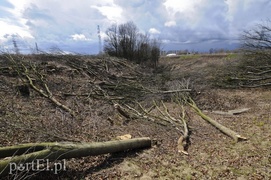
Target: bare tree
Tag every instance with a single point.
(143, 48)
(128, 36)
(155, 52)
(254, 69)
(257, 41)
(126, 41)
(112, 41)
(121, 40)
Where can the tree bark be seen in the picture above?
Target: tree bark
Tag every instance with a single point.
(64, 150)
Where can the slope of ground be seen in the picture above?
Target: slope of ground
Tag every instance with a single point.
(90, 86)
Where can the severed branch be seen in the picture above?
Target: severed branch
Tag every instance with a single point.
(256, 86)
(183, 141)
(232, 112)
(165, 118)
(222, 128)
(121, 111)
(130, 112)
(171, 91)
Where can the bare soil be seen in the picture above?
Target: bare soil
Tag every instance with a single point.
(212, 155)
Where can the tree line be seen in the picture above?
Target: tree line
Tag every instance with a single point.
(127, 42)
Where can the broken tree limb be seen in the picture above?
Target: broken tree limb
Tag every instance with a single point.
(172, 91)
(64, 150)
(232, 112)
(121, 111)
(219, 126)
(145, 115)
(238, 111)
(183, 141)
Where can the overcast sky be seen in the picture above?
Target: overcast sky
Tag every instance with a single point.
(180, 24)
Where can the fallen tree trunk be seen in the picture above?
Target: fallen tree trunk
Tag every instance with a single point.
(219, 126)
(64, 150)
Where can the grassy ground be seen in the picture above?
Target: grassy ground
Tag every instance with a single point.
(72, 80)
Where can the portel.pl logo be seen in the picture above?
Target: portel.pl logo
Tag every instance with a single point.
(37, 165)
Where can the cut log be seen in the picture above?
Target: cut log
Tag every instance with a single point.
(64, 150)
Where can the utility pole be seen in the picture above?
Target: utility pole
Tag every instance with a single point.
(100, 39)
(37, 49)
(16, 49)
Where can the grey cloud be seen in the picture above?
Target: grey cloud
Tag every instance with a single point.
(212, 22)
(34, 12)
(145, 13)
(244, 14)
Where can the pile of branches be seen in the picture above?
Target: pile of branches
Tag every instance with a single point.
(254, 69)
(252, 77)
(108, 79)
(117, 82)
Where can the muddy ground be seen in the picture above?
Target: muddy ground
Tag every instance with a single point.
(83, 82)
